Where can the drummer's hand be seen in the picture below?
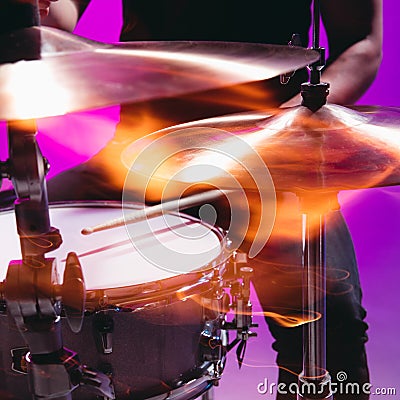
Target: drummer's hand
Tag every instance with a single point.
(60, 14)
(44, 7)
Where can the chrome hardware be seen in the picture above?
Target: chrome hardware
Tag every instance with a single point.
(103, 326)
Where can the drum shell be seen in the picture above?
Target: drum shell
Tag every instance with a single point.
(152, 350)
(156, 335)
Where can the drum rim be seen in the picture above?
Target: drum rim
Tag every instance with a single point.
(153, 293)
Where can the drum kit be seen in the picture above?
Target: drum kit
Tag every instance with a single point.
(150, 332)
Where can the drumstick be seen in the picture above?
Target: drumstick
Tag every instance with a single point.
(157, 210)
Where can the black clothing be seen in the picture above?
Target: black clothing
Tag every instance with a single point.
(255, 21)
(259, 21)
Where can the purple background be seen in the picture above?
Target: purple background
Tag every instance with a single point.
(373, 215)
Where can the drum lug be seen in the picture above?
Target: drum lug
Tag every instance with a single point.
(103, 327)
(216, 304)
(213, 345)
(215, 307)
(211, 342)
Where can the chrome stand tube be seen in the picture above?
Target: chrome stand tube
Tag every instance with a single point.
(314, 381)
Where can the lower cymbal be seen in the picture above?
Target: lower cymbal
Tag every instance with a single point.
(333, 149)
(62, 73)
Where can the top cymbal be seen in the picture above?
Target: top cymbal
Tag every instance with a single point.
(333, 149)
(64, 73)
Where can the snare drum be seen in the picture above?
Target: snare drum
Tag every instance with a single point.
(143, 321)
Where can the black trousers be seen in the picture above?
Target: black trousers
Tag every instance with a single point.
(278, 282)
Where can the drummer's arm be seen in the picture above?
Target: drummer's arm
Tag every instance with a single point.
(62, 14)
(354, 30)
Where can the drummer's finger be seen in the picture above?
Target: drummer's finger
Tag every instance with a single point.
(44, 7)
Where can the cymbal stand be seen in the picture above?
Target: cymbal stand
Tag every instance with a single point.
(31, 292)
(314, 381)
(315, 92)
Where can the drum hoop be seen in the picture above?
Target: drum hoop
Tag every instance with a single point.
(154, 293)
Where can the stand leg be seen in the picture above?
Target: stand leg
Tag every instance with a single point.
(314, 381)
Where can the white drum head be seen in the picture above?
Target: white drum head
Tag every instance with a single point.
(109, 259)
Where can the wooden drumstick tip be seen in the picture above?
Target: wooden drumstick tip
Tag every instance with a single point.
(87, 231)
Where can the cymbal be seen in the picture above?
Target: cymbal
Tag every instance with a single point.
(63, 73)
(335, 148)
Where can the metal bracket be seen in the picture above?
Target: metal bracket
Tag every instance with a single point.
(241, 305)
